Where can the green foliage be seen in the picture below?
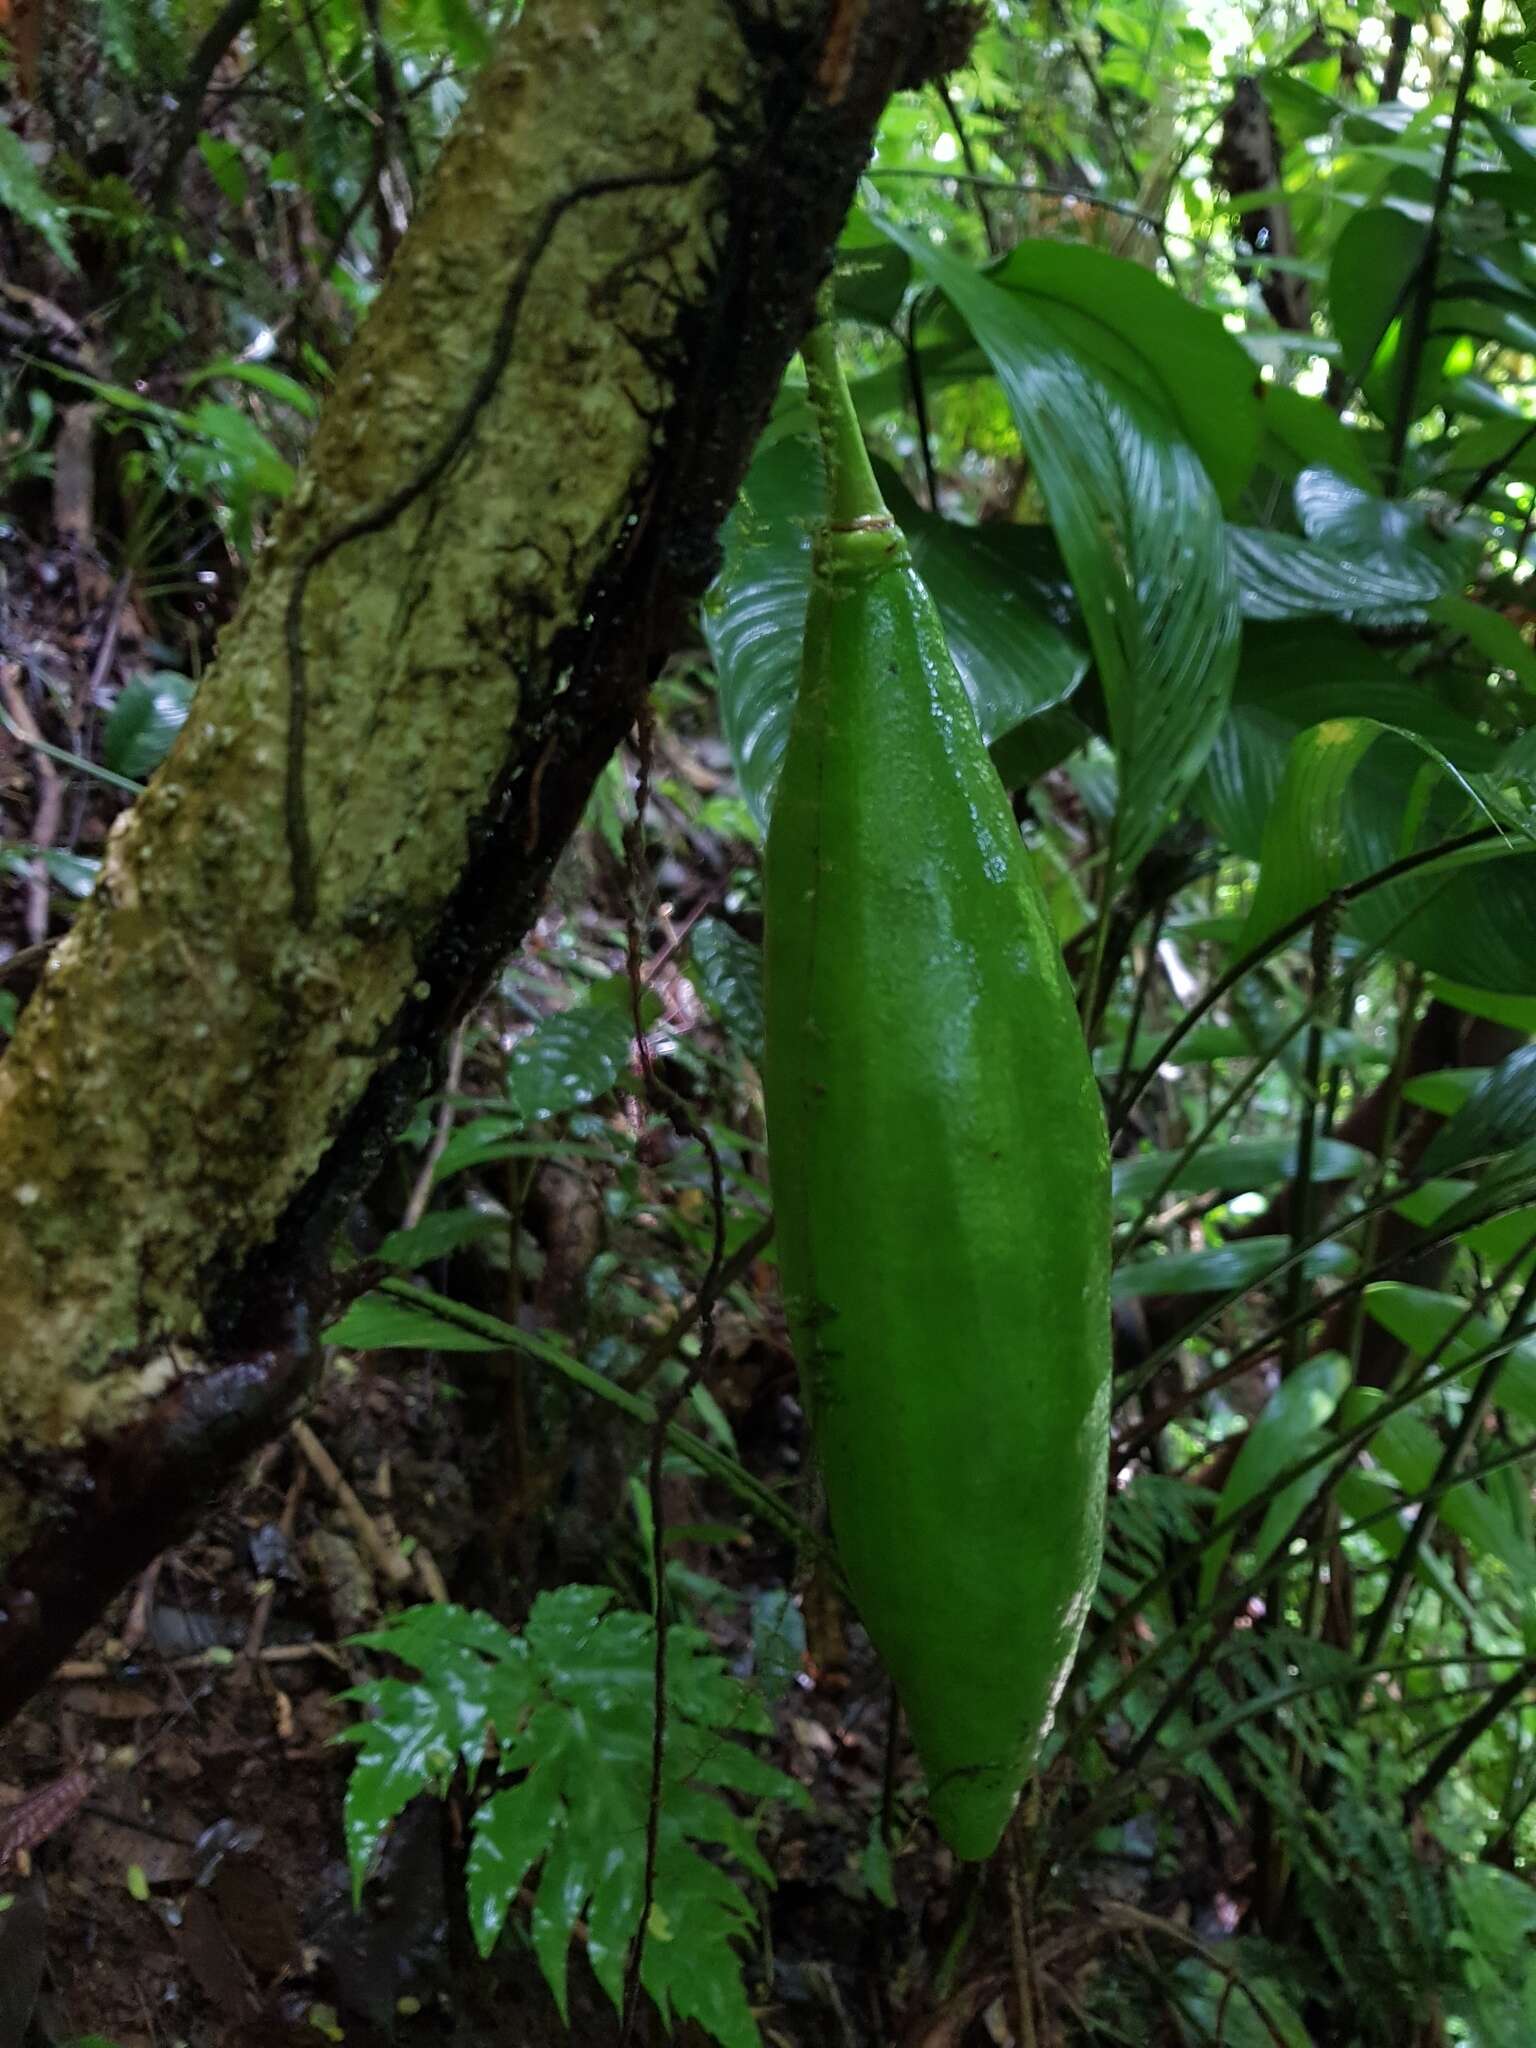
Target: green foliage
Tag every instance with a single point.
(1244, 605)
(728, 971)
(23, 194)
(144, 722)
(555, 1729)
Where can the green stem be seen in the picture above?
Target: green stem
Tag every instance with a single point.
(715, 1463)
(852, 493)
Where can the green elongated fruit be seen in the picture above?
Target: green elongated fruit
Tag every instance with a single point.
(940, 1170)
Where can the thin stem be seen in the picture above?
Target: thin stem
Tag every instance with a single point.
(920, 407)
(1490, 470)
(1138, 1005)
(1426, 271)
(1210, 1620)
(853, 496)
(1303, 1199)
(715, 1464)
(1152, 1425)
(1350, 892)
(1095, 202)
(1397, 58)
(1471, 1421)
(227, 25)
(1488, 1715)
(977, 183)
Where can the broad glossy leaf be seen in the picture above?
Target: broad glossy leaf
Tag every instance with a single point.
(1138, 523)
(1283, 577)
(871, 275)
(1490, 633)
(1392, 537)
(1291, 1424)
(1306, 433)
(728, 971)
(1014, 659)
(1469, 925)
(574, 1056)
(1518, 1012)
(144, 722)
(1425, 1321)
(1041, 743)
(1225, 1269)
(1499, 1114)
(1507, 443)
(1238, 1167)
(754, 617)
(1016, 662)
(1302, 857)
(1370, 277)
(1445, 1091)
(1204, 377)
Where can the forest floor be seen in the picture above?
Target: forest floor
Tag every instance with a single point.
(182, 1786)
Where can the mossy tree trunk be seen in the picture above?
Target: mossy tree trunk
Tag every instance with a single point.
(511, 500)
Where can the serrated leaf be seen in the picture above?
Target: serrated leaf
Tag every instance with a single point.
(404, 1748)
(569, 1704)
(512, 1831)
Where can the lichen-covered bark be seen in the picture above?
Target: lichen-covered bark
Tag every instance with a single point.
(514, 488)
